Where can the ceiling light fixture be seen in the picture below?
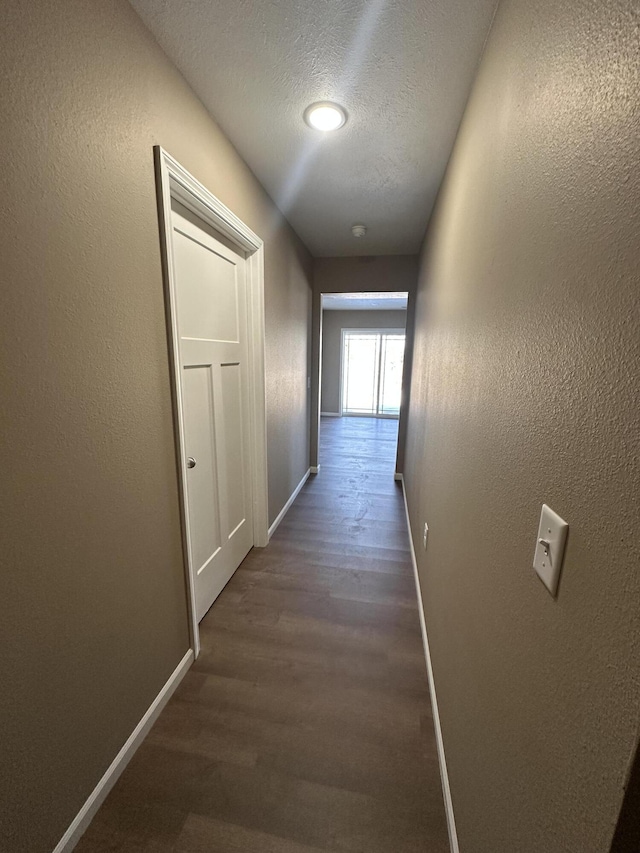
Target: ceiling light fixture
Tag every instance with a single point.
(358, 230)
(325, 116)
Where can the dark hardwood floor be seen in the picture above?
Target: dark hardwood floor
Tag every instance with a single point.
(305, 724)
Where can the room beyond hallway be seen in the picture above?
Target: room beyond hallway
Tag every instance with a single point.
(304, 726)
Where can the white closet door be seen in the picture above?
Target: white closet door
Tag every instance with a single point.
(212, 327)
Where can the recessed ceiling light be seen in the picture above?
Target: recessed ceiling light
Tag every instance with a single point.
(325, 116)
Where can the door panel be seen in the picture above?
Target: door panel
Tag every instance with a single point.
(212, 328)
(233, 429)
(204, 505)
(361, 360)
(208, 295)
(392, 360)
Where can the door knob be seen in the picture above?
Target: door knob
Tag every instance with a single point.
(191, 462)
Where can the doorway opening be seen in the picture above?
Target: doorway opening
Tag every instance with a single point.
(362, 346)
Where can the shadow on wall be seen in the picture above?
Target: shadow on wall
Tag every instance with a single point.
(627, 836)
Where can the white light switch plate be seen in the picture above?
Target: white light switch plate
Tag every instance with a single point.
(552, 537)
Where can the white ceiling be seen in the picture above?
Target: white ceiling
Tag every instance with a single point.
(364, 301)
(401, 68)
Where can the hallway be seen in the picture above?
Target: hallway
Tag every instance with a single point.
(304, 725)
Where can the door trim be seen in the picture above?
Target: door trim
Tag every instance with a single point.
(174, 182)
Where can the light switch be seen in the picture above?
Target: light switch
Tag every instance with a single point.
(552, 537)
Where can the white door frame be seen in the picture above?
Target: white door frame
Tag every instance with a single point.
(344, 331)
(174, 182)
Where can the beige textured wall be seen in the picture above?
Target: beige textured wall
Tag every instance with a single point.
(332, 324)
(369, 272)
(525, 389)
(92, 609)
(352, 275)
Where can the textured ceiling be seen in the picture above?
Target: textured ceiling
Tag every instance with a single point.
(401, 68)
(364, 301)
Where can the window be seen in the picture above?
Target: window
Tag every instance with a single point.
(372, 361)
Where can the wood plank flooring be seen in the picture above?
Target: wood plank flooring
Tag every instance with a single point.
(305, 724)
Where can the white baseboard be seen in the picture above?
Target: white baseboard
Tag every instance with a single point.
(444, 776)
(99, 793)
(315, 469)
(330, 415)
(285, 508)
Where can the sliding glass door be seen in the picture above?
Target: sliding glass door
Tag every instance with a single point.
(372, 362)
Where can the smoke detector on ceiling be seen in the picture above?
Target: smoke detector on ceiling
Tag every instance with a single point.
(358, 230)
